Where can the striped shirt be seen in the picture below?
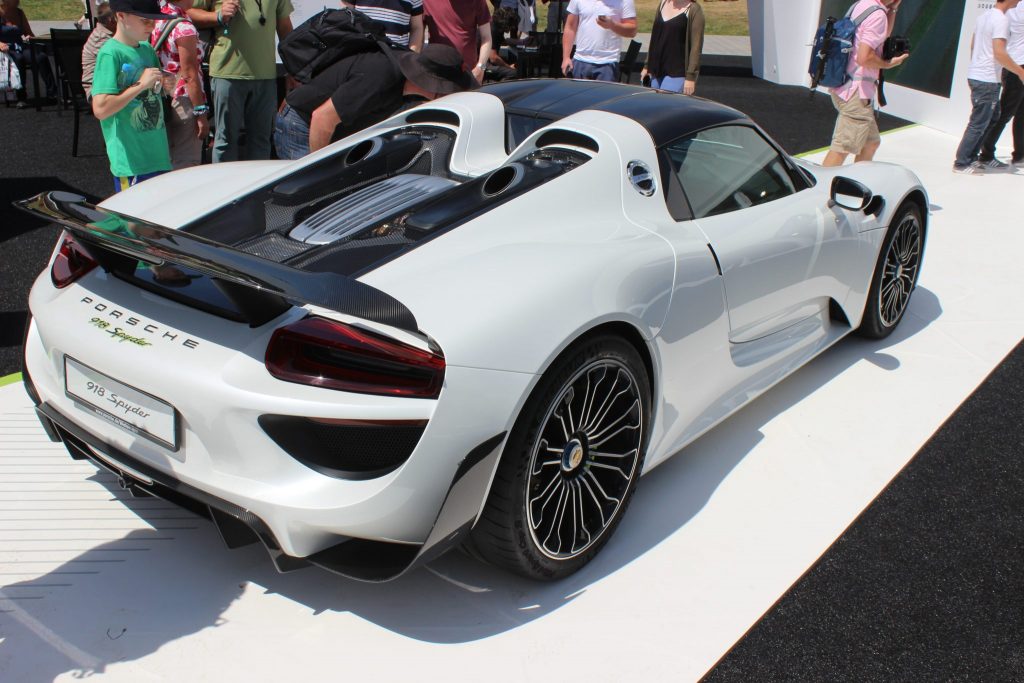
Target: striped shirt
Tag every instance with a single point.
(395, 15)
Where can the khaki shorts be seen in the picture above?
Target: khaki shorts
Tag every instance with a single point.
(855, 127)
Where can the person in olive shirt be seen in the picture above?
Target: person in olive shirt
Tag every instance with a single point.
(243, 70)
(126, 96)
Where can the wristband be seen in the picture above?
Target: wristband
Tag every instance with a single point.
(201, 109)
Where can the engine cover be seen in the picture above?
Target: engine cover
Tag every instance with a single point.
(367, 207)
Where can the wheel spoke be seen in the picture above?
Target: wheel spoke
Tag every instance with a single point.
(588, 405)
(629, 412)
(605, 410)
(557, 519)
(569, 396)
(618, 470)
(600, 489)
(611, 436)
(575, 521)
(561, 421)
(597, 503)
(627, 454)
(550, 487)
(546, 457)
(609, 397)
(582, 517)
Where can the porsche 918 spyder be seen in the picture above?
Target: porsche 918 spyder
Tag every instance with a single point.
(477, 322)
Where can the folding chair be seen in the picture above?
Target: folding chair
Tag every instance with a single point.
(67, 52)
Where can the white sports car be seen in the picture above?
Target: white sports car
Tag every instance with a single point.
(477, 322)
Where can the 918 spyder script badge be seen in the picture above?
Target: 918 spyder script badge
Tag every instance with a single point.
(118, 333)
(125, 327)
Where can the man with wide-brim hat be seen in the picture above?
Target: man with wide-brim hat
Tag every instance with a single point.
(361, 90)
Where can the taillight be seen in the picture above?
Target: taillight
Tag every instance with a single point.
(72, 262)
(333, 355)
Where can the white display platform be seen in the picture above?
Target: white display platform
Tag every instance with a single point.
(714, 537)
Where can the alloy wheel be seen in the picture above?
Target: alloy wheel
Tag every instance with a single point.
(899, 274)
(585, 459)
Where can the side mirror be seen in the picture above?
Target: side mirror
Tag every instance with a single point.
(850, 194)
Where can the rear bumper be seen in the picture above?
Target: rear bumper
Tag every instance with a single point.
(360, 559)
(221, 390)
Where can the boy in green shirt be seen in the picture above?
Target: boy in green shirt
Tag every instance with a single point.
(126, 96)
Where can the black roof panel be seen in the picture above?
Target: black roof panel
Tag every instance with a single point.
(666, 116)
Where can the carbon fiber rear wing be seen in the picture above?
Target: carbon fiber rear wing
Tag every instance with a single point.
(261, 289)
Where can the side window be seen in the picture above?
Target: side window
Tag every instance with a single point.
(728, 168)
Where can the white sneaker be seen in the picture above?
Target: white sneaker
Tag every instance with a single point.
(994, 165)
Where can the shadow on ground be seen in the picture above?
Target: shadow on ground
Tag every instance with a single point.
(135, 606)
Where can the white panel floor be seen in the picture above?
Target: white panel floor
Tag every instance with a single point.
(713, 538)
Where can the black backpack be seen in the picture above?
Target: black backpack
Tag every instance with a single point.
(326, 37)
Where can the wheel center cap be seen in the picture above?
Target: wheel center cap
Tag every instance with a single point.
(899, 271)
(572, 456)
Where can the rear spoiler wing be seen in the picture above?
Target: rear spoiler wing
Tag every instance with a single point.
(261, 289)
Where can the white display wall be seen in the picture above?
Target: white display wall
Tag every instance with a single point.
(304, 9)
(781, 32)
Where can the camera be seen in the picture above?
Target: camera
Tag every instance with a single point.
(895, 46)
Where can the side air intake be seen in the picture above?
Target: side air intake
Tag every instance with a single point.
(564, 138)
(443, 116)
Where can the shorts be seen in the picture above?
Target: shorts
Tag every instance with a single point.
(122, 183)
(855, 127)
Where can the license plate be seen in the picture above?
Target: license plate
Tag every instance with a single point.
(128, 408)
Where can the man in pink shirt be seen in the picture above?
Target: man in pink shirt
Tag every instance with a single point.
(856, 130)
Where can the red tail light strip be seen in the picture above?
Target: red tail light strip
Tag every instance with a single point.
(325, 353)
(72, 262)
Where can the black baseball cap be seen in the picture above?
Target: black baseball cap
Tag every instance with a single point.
(147, 9)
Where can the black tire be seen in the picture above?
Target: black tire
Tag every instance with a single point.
(586, 466)
(896, 273)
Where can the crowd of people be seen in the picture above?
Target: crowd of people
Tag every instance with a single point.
(997, 93)
(141, 70)
(995, 77)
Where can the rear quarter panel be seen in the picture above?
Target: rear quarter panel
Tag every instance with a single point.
(511, 289)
